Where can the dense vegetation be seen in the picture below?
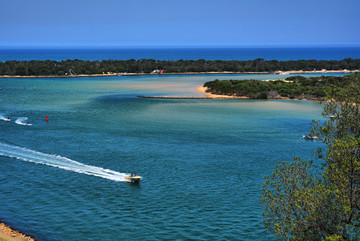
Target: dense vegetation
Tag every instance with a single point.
(320, 200)
(294, 87)
(49, 67)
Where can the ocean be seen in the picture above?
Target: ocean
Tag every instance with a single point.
(225, 53)
(202, 161)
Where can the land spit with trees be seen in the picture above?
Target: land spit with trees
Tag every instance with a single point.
(293, 87)
(78, 67)
(320, 199)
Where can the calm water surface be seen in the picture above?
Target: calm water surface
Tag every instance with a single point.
(226, 53)
(202, 160)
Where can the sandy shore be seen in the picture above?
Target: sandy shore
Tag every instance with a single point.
(184, 73)
(323, 71)
(8, 234)
(57, 76)
(203, 90)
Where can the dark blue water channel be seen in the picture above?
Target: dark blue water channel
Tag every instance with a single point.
(167, 53)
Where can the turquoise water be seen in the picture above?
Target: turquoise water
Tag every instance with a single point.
(202, 161)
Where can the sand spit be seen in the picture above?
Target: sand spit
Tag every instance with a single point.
(209, 95)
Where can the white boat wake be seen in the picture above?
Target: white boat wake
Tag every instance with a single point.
(22, 121)
(59, 162)
(3, 118)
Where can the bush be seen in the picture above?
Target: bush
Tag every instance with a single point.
(263, 95)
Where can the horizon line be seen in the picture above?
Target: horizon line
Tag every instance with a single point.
(114, 46)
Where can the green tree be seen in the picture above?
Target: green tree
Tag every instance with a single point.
(293, 197)
(321, 201)
(263, 95)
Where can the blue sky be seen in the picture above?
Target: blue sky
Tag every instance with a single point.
(179, 23)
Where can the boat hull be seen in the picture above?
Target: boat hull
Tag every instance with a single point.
(133, 178)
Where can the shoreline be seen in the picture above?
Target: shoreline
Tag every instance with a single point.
(9, 234)
(209, 95)
(279, 72)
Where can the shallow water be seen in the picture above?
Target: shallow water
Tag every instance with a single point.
(202, 160)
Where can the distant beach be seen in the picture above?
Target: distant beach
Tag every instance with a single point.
(184, 73)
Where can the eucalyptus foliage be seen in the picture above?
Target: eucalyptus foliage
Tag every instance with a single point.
(293, 87)
(320, 200)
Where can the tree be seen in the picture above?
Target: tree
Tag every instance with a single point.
(341, 135)
(293, 197)
(321, 201)
(263, 95)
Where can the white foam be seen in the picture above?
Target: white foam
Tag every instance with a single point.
(3, 118)
(22, 121)
(59, 162)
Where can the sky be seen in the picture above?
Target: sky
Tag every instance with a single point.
(199, 23)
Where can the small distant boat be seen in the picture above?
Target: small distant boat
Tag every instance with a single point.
(283, 73)
(310, 137)
(133, 178)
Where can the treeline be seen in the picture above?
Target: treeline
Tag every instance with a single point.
(294, 87)
(49, 67)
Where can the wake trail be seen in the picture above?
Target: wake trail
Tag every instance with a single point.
(3, 118)
(61, 162)
(22, 121)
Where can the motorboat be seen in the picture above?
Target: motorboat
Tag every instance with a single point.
(133, 178)
(310, 137)
(284, 73)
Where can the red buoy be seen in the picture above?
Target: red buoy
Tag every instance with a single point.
(47, 118)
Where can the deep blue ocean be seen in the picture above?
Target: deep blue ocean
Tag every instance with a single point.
(273, 53)
(202, 161)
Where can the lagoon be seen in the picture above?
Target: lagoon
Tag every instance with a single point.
(203, 161)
